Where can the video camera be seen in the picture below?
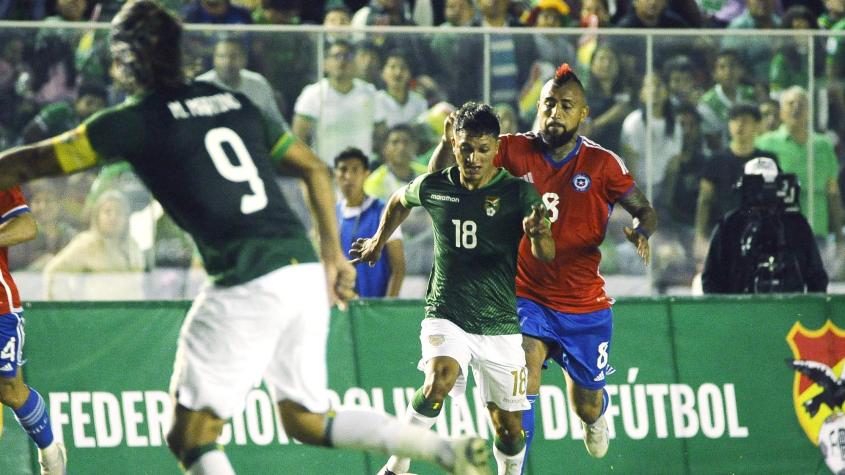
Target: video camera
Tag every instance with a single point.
(764, 187)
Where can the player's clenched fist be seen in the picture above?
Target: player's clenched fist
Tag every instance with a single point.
(365, 250)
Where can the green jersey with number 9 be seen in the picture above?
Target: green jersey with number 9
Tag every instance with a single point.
(476, 238)
(207, 156)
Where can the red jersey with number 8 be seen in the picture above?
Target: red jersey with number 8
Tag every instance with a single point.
(579, 193)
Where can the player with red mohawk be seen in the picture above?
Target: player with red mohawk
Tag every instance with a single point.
(565, 314)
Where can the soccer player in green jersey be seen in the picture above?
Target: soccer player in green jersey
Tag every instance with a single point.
(479, 213)
(210, 157)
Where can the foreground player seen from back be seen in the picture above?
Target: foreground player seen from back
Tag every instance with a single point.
(210, 157)
(479, 213)
(563, 309)
(18, 226)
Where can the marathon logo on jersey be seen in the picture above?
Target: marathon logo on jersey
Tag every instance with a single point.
(581, 182)
(491, 205)
(451, 199)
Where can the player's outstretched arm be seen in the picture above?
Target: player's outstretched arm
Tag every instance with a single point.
(300, 161)
(19, 229)
(369, 250)
(539, 232)
(443, 156)
(644, 224)
(23, 164)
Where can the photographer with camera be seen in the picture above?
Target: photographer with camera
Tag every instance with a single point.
(765, 245)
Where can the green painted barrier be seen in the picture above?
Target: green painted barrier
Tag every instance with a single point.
(701, 386)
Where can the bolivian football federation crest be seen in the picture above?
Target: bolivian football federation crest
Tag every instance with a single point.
(491, 205)
(818, 389)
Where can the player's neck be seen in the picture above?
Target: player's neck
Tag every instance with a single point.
(353, 201)
(563, 151)
(742, 148)
(482, 182)
(341, 85)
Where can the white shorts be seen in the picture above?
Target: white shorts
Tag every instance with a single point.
(274, 326)
(497, 361)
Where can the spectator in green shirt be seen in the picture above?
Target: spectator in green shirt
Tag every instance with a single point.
(791, 143)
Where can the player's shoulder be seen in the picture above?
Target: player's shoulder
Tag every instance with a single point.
(522, 139)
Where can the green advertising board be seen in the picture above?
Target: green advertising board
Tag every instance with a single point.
(701, 386)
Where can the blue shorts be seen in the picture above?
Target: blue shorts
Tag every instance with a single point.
(11, 344)
(578, 342)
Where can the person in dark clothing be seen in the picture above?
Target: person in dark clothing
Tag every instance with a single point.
(766, 245)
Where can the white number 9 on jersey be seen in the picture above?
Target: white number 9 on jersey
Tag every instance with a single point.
(244, 171)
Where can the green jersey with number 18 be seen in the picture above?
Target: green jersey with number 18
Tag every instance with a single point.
(476, 238)
(205, 154)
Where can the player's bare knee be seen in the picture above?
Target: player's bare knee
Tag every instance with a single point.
(12, 392)
(588, 412)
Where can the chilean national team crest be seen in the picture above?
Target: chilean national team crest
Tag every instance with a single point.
(491, 205)
(581, 182)
(818, 390)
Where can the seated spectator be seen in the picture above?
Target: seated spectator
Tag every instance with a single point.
(368, 63)
(105, 248)
(763, 246)
(16, 109)
(666, 136)
(551, 48)
(834, 20)
(55, 227)
(756, 51)
(383, 13)
(358, 216)
(716, 189)
(508, 120)
(398, 103)
(336, 14)
(610, 98)
(56, 118)
(790, 143)
(69, 10)
(23, 11)
(789, 63)
(717, 101)
(595, 14)
(512, 57)
(679, 73)
(287, 60)
(450, 49)
(52, 71)
(278, 12)
(769, 115)
(230, 73)
(338, 111)
(674, 259)
(399, 167)
(651, 14)
(215, 11)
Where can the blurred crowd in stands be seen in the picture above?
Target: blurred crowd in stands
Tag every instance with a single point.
(686, 113)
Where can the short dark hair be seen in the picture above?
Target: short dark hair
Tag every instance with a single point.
(352, 153)
(687, 108)
(406, 128)
(477, 119)
(399, 53)
(744, 108)
(729, 52)
(565, 74)
(680, 62)
(340, 42)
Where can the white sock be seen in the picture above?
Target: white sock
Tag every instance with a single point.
(212, 463)
(402, 464)
(379, 432)
(509, 464)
